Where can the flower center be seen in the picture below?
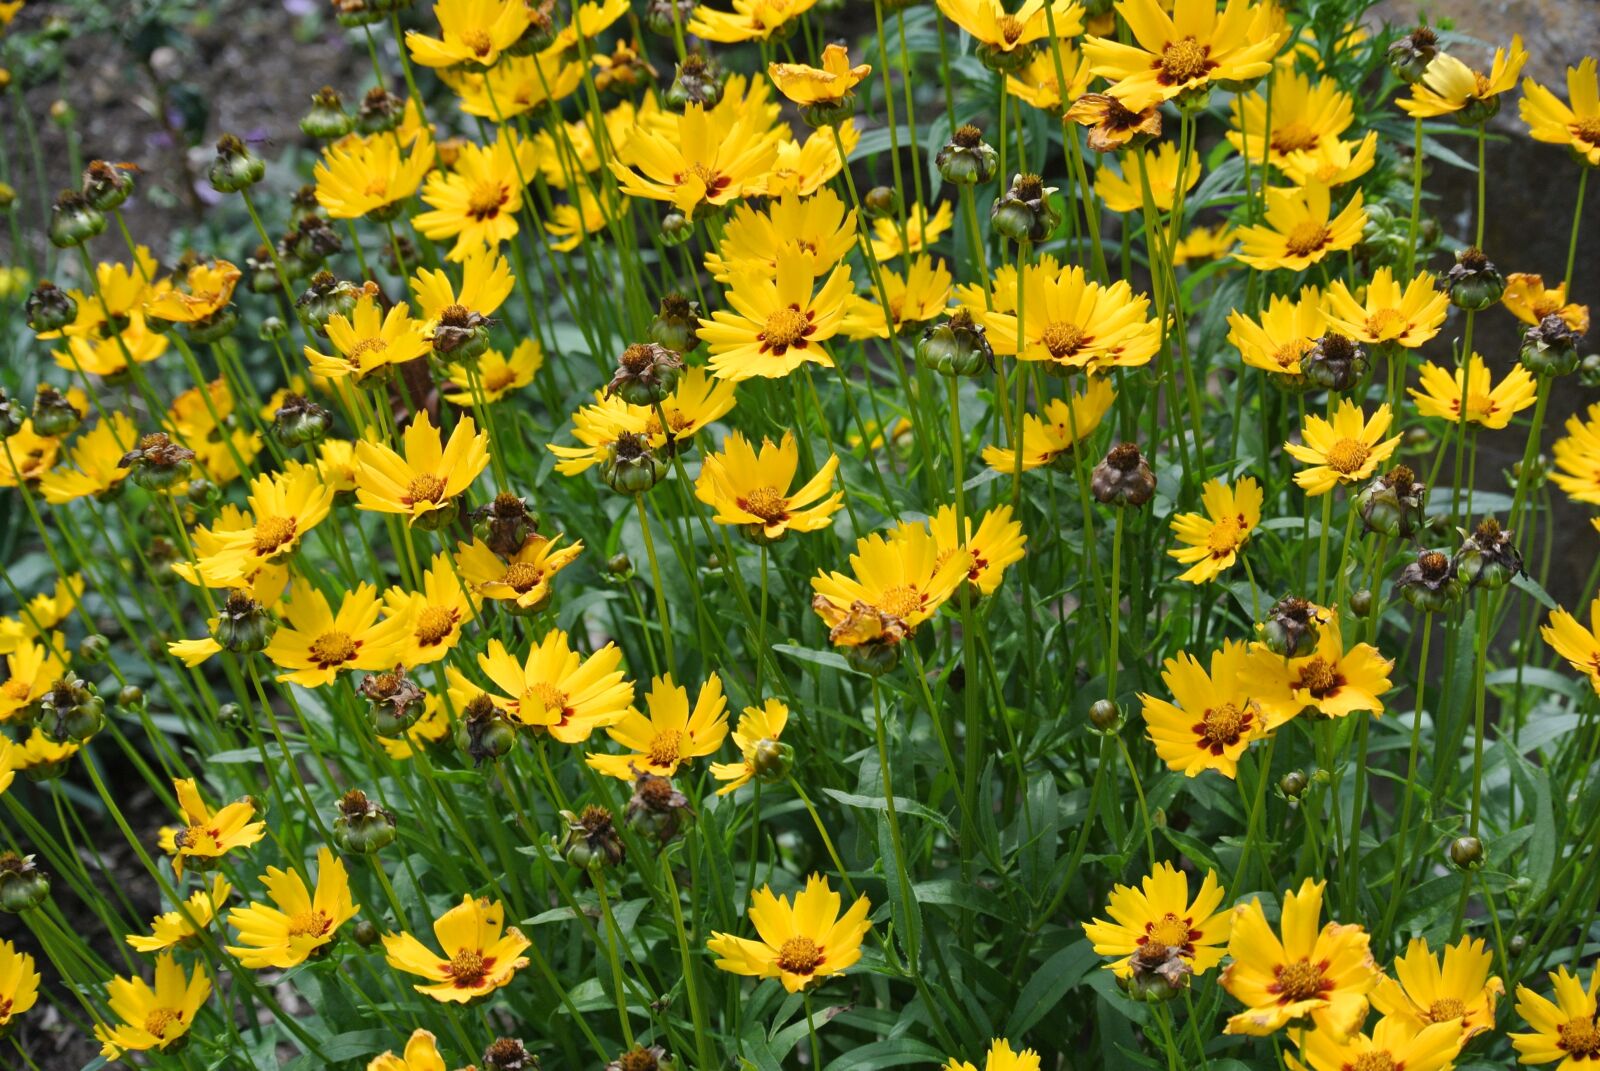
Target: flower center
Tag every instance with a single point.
(157, 1022)
(499, 379)
(467, 967)
(477, 40)
(434, 624)
(332, 649)
(785, 328)
(541, 696)
(485, 201)
(424, 488)
(195, 840)
(522, 577)
(799, 955)
(364, 347)
(1222, 727)
(272, 533)
(1288, 355)
(309, 924)
(1226, 535)
(1386, 323)
(1348, 455)
(664, 748)
(765, 502)
(902, 601)
(1319, 677)
(1587, 130)
(1376, 1060)
(1184, 60)
(16, 688)
(1579, 1038)
(1299, 981)
(1446, 1008)
(1294, 137)
(1010, 28)
(1169, 931)
(1062, 339)
(1306, 238)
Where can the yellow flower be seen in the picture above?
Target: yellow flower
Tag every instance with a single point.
(8, 774)
(831, 83)
(19, 983)
(91, 465)
(1450, 86)
(805, 167)
(1076, 323)
(265, 584)
(758, 737)
(556, 690)
(369, 341)
(152, 1017)
(31, 668)
(1578, 645)
(27, 456)
(1564, 1029)
(1214, 539)
(524, 581)
(515, 86)
(1125, 192)
(299, 922)
(470, 31)
(1407, 316)
(697, 401)
(1346, 450)
(750, 20)
(46, 610)
(1426, 992)
(574, 221)
(776, 324)
(1330, 679)
(1335, 164)
(919, 296)
(1576, 126)
(434, 616)
(1214, 717)
(1000, 1058)
(422, 484)
(481, 953)
(498, 375)
(1322, 976)
(1394, 1043)
(208, 835)
(1307, 117)
(476, 202)
(313, 644)
(988, 22)
(921, 232)
(589, 20)
(421, 1054)
(1200, 244)
(1050, 440)
(1286, 332)
(108, 355)
(672, 736)
(486, 282)
(986, 553)
(39, 752)
(708, 158)
(1491, 406)
(1157, 922)
(1038, 82)
(284, 507)
(818, 228)
(1300, 229)
(751, 489)
(799, 945)
(902, 575)
(200, 419)
(1111, 124)
(368, 176)
(1531, 301)
(207, 289)
(1188, 50)
(183, 927)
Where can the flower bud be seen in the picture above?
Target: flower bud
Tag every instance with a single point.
(380, 112)
(483, 733)
(771, 760)
(957, 347)
(326, 298)
(1487, 558)
(394, 702)
(53, 414)
(1589, 371)
(646, 373)
(591, 839)
(461, 334)
(1361, 602)
(966, 158)
(8, 193)
(327, 118)
(1430, 583)
(235, 167)
(1517, 945)
(202, 493)
(1473, 282)
(668, 17)
(619, 566)
(1105, 717)
(509, 1054)
(698, 80)
(50, 308)
(1293, 785)
(131, 698)
(93, 648)
(1393, 504)
(23, 886)
(300, 422)
(677, 324)
(1334, 363)
(823, 113)
(1550, 347)
(73, 221)
(1410, 55)
(231, 715)
(632, 466)
(157, 462)
(243, 624)
(676, 228)
(362, 827)
(656, 808)
(1156, 973)
(71, 712)
(365, 934)
(1123, 478)
(1291, 628)
(1466, 853)
(106, 185)
(640, 1058)
(1024, 212)
(12, 415)
(881, 202)
(505, 524)
(308, 245)
(1004, 61)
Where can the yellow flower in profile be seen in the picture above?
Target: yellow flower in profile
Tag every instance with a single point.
(1393, 1043)
(1038, 82)
(423, 482)
(800, 944)
(1000, 1057)
(672, 736)
(481, 953)
(1335, 164)
(1213, 717)
(829, 84)
(183, 927)
(476, 202)
(1075, 323)
(284, 507)
(818, 228)
(750, 20)
(498, 374)
(299, 923)
(470, 31)
(1287, 330)
(1214, 539)
(1049, 439)
(208, 835)
(751, 489)
(901, 575)
(987, 552)
(368, 341)
(48, 609)
(919, 296)
(8, 774)
(1407, 316)
(921, 232)
(1330, 679)
(1564, 1029)
(434, 616)
(369, 177)
(988, 23)
(152, 1017)
(27, 456)
(1345, 450)
(758, 736)
(1157, 923)
(1306, 117)
(1300, 229)
(1125, 192)
(1489, 404)
(524, 580)
(1321, 976)
(91, 466)
(558, 691)
(1531, 301)
(39, 752)
(805, 167)
(107, 356)
(31, 668)
(1576, 126)
(776, 324)
(1578, 645)
(206, 290)
(19, 984)
(1449, 86)
(1186, 51)
(514, 87)
(486, 282)
(421, 1054)
(709, 158)
(1460, 990)
(214, 569)
(569, 224)
(314, 644)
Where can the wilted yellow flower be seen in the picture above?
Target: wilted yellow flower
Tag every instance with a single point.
(1050, 439)
(1450, 86)
(750, 20)
(830, 83)
(207, 289)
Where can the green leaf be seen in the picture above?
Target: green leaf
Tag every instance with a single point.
(902, 806)
(826, 659)
(1050, 982)
(893, 1052)
(1533, 784)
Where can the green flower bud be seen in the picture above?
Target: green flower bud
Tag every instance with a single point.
(957, 347)
(771, 760)
(591, 839)
(380, 112)
(1024, 212)
(327, 118)
(1473, 283)
(23, 886)
(1487, 558)
(1335, 363)
(647, 372)
(668, 17)
(1410, 55)
(676, 228)
(1466, 853)
(1550, 348)
(106, 186)
(362, 826)
(157, 462)
(656, 809)
(300, 421)
(1393, 504)
(698, 80)
(71, 712)
(1291, 628)
(483, 733)
(73, 221)
(131, 698)
(93, 648)
(1105, 717)
(53, 414)
(1293, 785)
(394, 702)
(235, 167)
(881, 202)
(1430, 583)
(966, 158)
(50, 308)
(632, 467)
(243, 624)
(326, 298)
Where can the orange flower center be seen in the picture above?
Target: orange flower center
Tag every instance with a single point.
(902, 601)
(1376, 1060)
(1062, 339)
(1295, 137)
(364, 347)
(424, 488)
(665, 748)
(522, 577)
(1010, 28)
(785, 328)
(272, 533)
(1579, 1038)
(195, 839)
(434, 624)
(1319, 677)
(309, 924)
(543, 696)
(1306, 238)
(1226, 535)
(1184, 60)
(1288, 355)
(467, 967)
(1169, 932)
(1299, 981)
(160, 1019)
(332, 649)
(478, 41)
(1222, 727)
(767, 503)
(1386, 323)
(799, 955)
(1348, 455)
(1587, 130)
(16, 688)
(1446, 1008)
(484, 201)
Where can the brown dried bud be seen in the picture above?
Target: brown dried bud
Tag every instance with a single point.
(1123, 478)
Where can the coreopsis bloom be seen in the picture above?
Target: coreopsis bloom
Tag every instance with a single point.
(27, 456)
(805, 167)
(476, 202)
(1425, 991)
(39, 752)
(314, 644)
(1345, 450)
(758, 736)
(174, 928)
(1157, 930)
(1387, 312)
(50, 608)
(750, 20)
(756, 239)
(299, 922)
(498, 375)
(1321, 976)
(1213, 539)
(1112, 124)
(108, 355)
(1213, 717)
(920, 232)
(752, 489)
(31, 668)
(1075, 323)
(1039, 81)
(515, 86)
(1000, 1057)
(902, 575)
(266, 584)
(91, 464)
(422, 483)
(152, 1017)
(1577, 125)
(1050, 438)
(1008, 36)
(1306, 117)
(1287, 330)
(486, 282)
(1489, 404)
(1330, 679)
(915, 298)
(208, 835)
(558, 691)
(1450, 86)
(434, 616)
(1186, 51)
(1578, 645)
(368, 341)
(583, 214)
(987, 552)
(200, 420)
(205, 290)
(284, 507)
(1531, 301)
(523, 581)
(672, 736)
(369, 177)
(1300, 229)
(1392, 1043)
(800, 944)
(1125, 192)
(1564, 1029)
(470, 32)
(19, 984)
(708, 158)
(481, 953)
(1335, 164)
(421, 1054)
(776, 324)
(829, 84)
